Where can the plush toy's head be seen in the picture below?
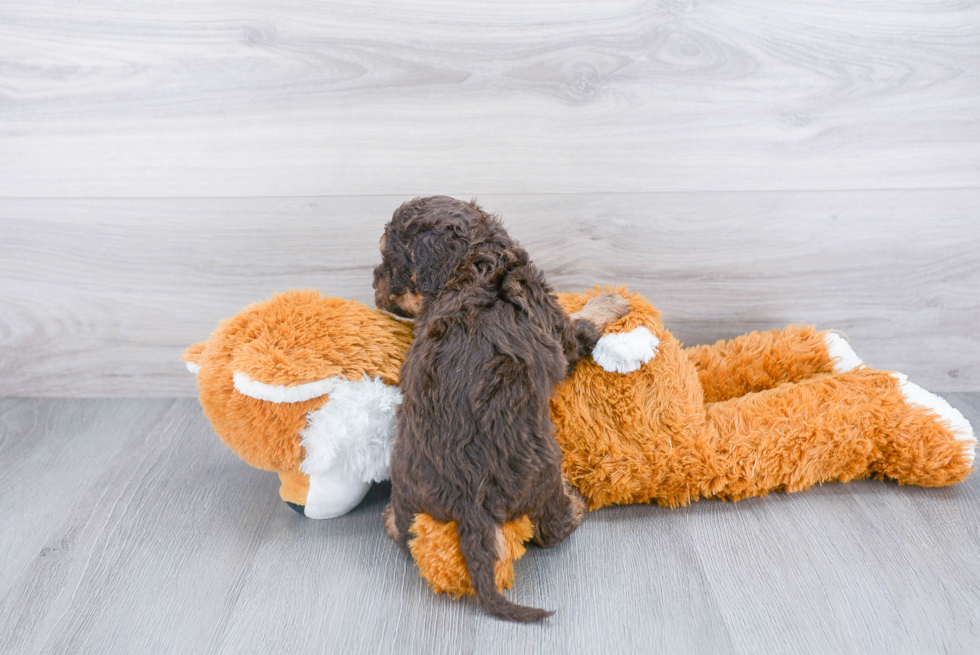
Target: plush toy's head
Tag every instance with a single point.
(305, 385)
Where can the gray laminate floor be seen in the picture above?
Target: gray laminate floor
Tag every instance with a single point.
(127, 527)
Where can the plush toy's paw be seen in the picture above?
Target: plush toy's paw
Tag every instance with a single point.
(625, 352)
(951, 417)
(841, 353)
(334, 492)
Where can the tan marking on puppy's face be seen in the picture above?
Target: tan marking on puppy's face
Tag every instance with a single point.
(410, 303)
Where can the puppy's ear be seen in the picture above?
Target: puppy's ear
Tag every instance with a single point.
(436, 253)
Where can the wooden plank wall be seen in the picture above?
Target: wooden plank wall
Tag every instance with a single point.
(745, 164)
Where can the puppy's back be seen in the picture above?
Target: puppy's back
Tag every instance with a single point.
(474, 427)
(476, 388)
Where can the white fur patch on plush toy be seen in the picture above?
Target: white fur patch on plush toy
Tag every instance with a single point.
(356, 428)
(625, 352)
(280, 393)
(958, 425)
(841, 353)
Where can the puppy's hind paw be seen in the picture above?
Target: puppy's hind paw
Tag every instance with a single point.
(388, 518)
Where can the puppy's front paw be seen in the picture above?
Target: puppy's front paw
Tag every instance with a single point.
(604, 309)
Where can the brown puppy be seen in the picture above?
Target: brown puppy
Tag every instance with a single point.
(475, 442)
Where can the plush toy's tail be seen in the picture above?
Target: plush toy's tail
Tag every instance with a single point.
(478, 543)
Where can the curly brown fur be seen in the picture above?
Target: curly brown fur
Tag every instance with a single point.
(475, 442)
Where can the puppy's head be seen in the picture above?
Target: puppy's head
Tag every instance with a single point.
(421, 248)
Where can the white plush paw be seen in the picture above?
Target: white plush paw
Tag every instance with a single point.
(624, 352)
(333, 493)
(957, 423)
(841, 353)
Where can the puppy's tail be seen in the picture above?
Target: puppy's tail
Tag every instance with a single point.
(478, 545)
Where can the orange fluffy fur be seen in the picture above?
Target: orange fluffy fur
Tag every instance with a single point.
(776, 417)
(739, 418)
(435, 549)
(292, 338)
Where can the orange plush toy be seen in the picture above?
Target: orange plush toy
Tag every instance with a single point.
(306, 386)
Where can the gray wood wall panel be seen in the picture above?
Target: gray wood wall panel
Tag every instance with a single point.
(98, 297)
(129, 528)
(745, 164)
(255, 98)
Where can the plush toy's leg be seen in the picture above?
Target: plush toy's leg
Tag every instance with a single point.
(293, 489)
(834, 427)
(920, 445)
(764, 360)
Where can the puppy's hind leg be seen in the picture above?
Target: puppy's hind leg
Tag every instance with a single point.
(397, 522)
(388, 518)
(559, 515)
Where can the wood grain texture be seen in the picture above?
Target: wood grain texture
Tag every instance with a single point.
(98, 297)
(127, 527)
(299, 98)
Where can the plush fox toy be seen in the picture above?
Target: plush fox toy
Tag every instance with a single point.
(306, 386)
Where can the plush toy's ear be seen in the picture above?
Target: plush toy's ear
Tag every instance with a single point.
(435, 549)
(192, 357)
